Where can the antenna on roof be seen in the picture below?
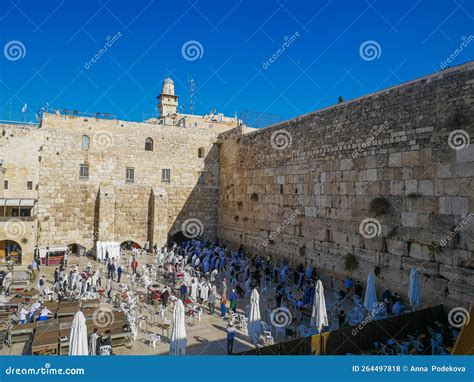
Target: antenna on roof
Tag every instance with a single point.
(192, 87)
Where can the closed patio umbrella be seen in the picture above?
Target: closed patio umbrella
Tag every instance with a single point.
(319, 316)
(414, 289)
(370, 300)
(254, 325)
(78, 336)
(178, 332)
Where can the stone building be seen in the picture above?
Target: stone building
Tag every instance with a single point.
(380, 183)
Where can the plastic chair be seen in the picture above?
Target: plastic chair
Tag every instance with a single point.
(105, 350)
(155, 339)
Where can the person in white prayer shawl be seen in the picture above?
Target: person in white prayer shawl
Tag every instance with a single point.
(204, 291)
(93, 342)
(214, 275)
(194, 287)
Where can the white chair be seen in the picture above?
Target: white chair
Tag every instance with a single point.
(105, 350)
(243, 323)
(233, 316)
(267, 333)
(155, 339)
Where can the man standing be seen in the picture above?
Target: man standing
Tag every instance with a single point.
(119, 273)
(212, 300)
(183, 290)
(164, 297)
(233, 301)
(34, 270)
(230, 338)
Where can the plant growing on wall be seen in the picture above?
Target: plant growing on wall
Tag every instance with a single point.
(379, 206)
(350, 262)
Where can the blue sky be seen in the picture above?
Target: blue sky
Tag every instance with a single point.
(322, 58)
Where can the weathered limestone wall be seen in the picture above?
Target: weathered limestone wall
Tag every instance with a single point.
(105, 206)
(10, 131)
(20, 164)
(301, 189)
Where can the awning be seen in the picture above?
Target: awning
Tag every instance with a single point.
(17, 202)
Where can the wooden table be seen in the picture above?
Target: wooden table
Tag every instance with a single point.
(90, 303)
(163, 328)
(45, 343)
(47, 325)
(67, 311)
(21, 332)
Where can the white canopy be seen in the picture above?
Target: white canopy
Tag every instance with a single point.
(178, 332)
(370, 300)
(414, 289)
(78, 336)
(254, 324)
(319, 316)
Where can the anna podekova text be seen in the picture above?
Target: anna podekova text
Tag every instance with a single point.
(412, 369)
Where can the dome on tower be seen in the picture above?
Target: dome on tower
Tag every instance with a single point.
(168, 86)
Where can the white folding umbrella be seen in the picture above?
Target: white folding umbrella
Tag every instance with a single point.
(319, 316)
(254, 326)
(78, 336)
(178, 332)
(370, 300)
(414, 289)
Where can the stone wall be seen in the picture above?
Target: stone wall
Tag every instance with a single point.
(10, 131)
(105, 206)
(19, 154)
(302, 189)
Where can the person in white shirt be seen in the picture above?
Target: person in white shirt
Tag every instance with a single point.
(23, 313)
(44, 314)
(33, 310)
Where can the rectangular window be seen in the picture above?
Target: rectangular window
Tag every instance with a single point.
(166, 175)
(130, 174)
(84, 171)
(29, 185)
(201, 179)
(5, 184)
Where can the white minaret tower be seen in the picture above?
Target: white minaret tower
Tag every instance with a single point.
(167, 101)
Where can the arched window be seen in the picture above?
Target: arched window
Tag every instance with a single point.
(148, 144)
(85, 142)
(201, 152)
